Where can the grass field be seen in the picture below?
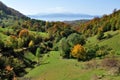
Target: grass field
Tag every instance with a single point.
(56, 68)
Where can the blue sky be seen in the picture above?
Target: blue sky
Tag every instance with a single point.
(92, 7)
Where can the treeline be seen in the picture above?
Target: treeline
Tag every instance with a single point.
(105, 23)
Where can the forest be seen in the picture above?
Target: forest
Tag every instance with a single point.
(30, 47)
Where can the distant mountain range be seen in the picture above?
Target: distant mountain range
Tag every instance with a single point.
(61, 16)
(46, 17)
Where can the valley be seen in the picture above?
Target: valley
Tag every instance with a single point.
(34, 49)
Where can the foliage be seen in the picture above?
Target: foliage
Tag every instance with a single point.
(75, 39)
(31, 43)
(91, 51)
(64, 48)
(23, 33)
(38, 54)
(1, 44)
(100, 35)
(78, 52)
(9, 67)
(106, 23)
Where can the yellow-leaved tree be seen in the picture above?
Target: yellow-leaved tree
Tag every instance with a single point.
(31, 43)
(78, 52)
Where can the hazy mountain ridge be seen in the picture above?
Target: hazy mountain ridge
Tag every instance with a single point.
(62, 16)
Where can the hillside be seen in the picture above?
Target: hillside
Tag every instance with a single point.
(9, 11)
(36, 49)
(20, 35)
(104, 24)
(77, 22)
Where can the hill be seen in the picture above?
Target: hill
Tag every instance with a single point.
(32, 48)
(77, 22)
(9, 11)
(105, 23)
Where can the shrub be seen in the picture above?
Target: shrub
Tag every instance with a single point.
(23, 33)
(100, 35)
(108, 36)
(75, 39)
(38, 54)
(64, 48)
(78, 52)
(97, 51)
(1, 44)
(31, 43)
(91, 51)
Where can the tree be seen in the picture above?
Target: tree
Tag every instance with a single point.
(78, 52)
(100, 35)
(64, 48)
(31, 43)
(91, 51)
(23, 33)
(75, 39)
(1, 44)
(38, 52)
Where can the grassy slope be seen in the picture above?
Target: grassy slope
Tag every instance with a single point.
(112, 42)
(56, 68)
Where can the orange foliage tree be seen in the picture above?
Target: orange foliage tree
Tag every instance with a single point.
(23, 33)
(78, 52)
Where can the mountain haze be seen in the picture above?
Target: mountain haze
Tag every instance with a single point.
(61, 16)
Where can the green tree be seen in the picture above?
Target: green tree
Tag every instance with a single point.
(75, 39)
(38, 54)
(64, 48)
(100, 35)
(1, 44)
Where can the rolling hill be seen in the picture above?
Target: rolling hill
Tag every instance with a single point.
(41, 50)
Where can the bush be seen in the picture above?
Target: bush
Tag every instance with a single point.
(64, 48)
(108, 36)
(78, 52)
(1, 44)
(75, 39)
(10, 66)
(97, 51)
(23, 33)
(31, 44)
(91, 51)
(100, 35)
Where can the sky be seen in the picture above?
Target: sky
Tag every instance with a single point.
(92, 7)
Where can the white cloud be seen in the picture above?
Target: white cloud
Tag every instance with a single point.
(57, 10)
